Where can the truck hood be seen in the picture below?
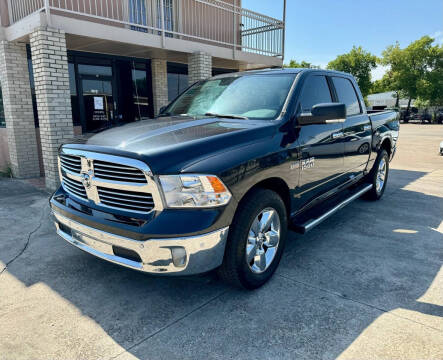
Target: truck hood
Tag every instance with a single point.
(168, 144)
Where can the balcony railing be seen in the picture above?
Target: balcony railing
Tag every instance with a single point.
(214, 22)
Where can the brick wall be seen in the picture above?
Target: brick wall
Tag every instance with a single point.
(159, 84)
(199, 67)
(51, 77)
(19, 114)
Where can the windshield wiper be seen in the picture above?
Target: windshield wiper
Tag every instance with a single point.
(227, 116)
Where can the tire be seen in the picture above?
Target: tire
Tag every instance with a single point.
(236, 270)
(378, 189)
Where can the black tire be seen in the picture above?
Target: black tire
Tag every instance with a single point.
(235, 269)
(377, 192)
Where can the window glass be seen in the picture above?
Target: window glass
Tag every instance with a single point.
(94, 70)
(2, 112)
(72, 84)
(316, 91)
(74, 97)
(346, 94)
(177, 83)
(251, 96)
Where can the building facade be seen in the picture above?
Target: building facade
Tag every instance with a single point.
(73, 67)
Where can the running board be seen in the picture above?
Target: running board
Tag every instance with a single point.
(312, 221)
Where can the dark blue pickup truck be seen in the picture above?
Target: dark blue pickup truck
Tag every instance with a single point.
(215, 181)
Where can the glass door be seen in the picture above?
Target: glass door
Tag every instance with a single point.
(98, 97)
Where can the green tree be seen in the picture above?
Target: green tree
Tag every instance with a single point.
(386, 84)
(416, 71)
(359, 63)
(303, 64)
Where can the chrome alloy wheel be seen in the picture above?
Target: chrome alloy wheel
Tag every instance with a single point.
(381, 175)
(263, 240)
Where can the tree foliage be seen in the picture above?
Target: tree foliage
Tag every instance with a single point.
(416, 72)
(303, 64)
(359, 63)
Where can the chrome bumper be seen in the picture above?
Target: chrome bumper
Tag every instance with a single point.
(180, 256)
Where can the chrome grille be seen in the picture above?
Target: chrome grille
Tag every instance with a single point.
(75, 187)
(128, 200)
(110, 181)
(71, 163)
(118, 172)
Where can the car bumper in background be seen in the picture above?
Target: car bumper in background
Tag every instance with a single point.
(180, 256)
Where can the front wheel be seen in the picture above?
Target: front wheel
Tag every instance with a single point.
(378, 176)
(256, 240)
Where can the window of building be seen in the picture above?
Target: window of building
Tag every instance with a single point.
(140, 91)
(315, 91)
(74, 95)
(347, 95)
(177, 80)
(2, 111)
(95, 70)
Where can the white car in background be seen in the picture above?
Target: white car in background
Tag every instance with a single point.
(441, 148)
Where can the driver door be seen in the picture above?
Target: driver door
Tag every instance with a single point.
(321, 145)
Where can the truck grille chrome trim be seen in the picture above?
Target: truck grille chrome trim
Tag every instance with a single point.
(110, 181)
(110, 171)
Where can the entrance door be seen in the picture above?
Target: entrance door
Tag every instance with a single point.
(98, 97)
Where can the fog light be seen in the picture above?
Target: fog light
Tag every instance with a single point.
(178, 256)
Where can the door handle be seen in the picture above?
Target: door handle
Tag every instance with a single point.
(336, 135)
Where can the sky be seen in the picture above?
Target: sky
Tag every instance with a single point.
(319, 30)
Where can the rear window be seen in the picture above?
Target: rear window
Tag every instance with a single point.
(347, 95)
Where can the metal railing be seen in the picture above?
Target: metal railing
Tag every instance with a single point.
(19, 9)
(214, 22)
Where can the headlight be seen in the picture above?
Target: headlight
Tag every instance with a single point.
(199, 191)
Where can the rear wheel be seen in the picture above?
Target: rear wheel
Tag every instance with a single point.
(256, 240)
(378, 176)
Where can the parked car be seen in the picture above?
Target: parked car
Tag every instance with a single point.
(441, 148)
(216, 180)
(439, 116)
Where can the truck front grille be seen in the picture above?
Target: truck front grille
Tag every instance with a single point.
(71, 163)
(118, 172)
(109, 181)
(75, 187)
(129, 200)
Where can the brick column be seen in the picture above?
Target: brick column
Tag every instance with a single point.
(159, 84)
(200, 66)
(17, 101)
(51, 77)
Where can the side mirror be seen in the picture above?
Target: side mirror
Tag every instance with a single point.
(323, 114)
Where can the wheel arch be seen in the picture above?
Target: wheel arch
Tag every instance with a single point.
(276, 184)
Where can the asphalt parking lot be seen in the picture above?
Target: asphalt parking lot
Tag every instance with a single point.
(366, 284)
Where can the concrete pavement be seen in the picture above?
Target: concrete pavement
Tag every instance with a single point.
(366, 284)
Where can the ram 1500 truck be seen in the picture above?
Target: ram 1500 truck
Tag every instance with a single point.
(215, 181)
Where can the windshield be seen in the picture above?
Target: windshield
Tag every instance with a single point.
(250, 96)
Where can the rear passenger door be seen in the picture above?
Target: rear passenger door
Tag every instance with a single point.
(321, 147)
(356, 129)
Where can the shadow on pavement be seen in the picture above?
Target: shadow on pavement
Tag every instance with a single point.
(332, 284)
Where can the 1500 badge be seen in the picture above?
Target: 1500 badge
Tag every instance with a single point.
(307, 163)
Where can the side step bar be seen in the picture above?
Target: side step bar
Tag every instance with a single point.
(313, 222)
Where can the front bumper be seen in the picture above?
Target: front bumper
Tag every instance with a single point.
(179, 256)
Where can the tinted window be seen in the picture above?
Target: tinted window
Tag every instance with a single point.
(315, 91)
(346, 94)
